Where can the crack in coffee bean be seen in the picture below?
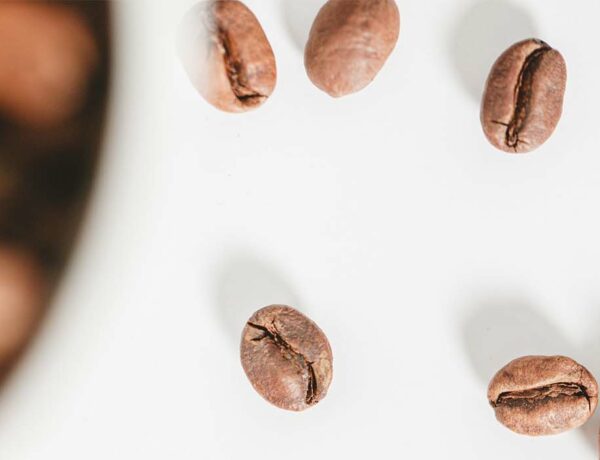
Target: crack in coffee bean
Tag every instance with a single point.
(235, 68)
(535, 396)
(523, 94)
(288, 351)
(312, 384)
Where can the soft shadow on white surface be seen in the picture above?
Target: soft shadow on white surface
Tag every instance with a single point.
(299, 16)
(193, 42)
(243, 285)
(499, 330)
(482, 33)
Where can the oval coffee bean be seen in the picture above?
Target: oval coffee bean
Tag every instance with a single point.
(523, 97)
(349, 43)
(22, 294)
(286, 357)
(228, 56)
(543, 395)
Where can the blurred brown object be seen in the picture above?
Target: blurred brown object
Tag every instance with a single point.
(47, 54)
(54, 76)
(22, 295)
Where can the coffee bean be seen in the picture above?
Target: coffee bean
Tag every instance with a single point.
(543, 395)
(523, 98)
(47, 56)
(349, 43)
(228, 56)
(22, 293)
(286, 357)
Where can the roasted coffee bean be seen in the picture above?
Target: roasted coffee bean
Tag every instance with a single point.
(523, 98)
(228, 56)
(543, 395)
(22, 294)
(349, 43)
(47, 55)
(286, 357)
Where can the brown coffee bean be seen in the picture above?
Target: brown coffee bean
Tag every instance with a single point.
(543, 395)
(228, 56)
(286, 357)
(47, 55)
(349, 43)
(22, 294)
(523, 98)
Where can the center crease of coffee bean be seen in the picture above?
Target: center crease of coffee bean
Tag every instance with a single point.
(234, 73)
(532, 396)
(288, 352)
(523, 95)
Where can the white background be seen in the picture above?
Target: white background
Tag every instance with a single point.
(429, 258)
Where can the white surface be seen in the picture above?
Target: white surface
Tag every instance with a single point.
(429, 258)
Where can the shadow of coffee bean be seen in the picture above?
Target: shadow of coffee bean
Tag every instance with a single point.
(499, 329)
(485, 30)
(243, 285)
(299, 16)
